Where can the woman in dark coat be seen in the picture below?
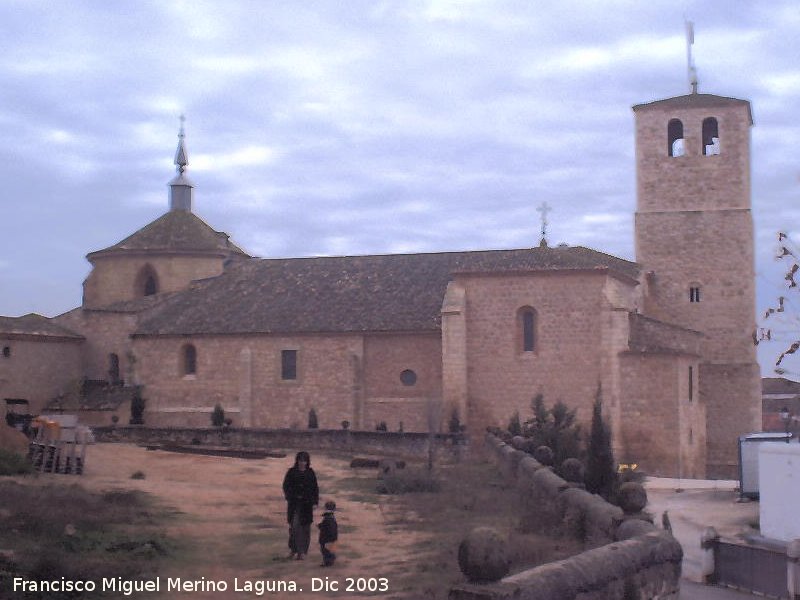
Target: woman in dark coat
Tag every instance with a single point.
(302, 495)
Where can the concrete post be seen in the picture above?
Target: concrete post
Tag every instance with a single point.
(793, 569)
(708, 541)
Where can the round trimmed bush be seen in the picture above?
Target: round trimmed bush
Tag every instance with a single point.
(572, 470)
(632, 497)
(544, 455)
(482, 555)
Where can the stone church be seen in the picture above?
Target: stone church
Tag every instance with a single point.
(178, 311)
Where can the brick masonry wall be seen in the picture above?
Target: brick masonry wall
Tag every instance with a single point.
(658, 416)
(694, 228)
(115, 278)
(566, 365)
(38, 369)
(105, 333)
(693, 181)
(405, 445)
(723, 388)
(714, 251)
(342, 377)
(387, 399)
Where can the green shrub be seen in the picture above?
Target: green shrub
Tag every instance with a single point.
(12, 463)
(601, 469)
(555, 428)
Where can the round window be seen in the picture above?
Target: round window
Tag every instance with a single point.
(408, 377)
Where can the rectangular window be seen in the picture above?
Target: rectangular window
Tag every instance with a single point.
(691, 384)
(288, 364)
(694, 294)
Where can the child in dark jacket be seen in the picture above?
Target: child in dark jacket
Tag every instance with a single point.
(328, 534)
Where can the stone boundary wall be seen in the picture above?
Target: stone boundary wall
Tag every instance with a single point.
(629, 557)
(409, 445)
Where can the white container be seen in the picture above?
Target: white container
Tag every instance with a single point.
(779, 485)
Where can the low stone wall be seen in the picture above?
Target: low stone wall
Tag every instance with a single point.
(410, 445)
(629, 557)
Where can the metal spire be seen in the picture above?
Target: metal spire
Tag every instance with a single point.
(544, 208)
(181, 188)
(181, 156)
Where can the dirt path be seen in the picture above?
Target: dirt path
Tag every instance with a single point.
(232, 513)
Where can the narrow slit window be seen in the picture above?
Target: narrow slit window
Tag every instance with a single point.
(113, 368)
(527, 325)
(691, 384)
(288, 364)
(694, 293)
(189, 360)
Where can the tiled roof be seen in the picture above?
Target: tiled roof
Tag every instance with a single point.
(176, 231)
(695, 101)
(134, 306)
(399, 292)
(779, 385)
(34, 324)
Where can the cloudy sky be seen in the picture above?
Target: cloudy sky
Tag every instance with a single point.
(366, 127)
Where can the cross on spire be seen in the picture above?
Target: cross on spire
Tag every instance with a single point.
(544, 208)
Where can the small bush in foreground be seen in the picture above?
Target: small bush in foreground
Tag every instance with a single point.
(64, 531)
(12, 463)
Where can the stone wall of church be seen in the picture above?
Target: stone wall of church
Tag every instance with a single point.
(694, 230)
(38, 369)
(714, 252)
(693, 181)
(106, 333)
(402, 381)
(117, 278)
(342, 377)
(663, 428)
(726, 390)
(570, 309)
(650, 426)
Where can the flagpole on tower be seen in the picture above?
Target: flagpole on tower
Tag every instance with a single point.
(689, 62)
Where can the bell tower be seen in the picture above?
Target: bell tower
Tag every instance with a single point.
(694, 239)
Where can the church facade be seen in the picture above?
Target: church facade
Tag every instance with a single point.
(181, 312)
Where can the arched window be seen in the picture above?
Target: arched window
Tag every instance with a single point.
(526, 323)
(113, 369)
(710, 137)
(150, 287)
(146, 282)
(675, 138)
(189, 360)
